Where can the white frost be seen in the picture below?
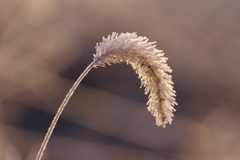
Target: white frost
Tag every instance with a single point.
(149, 63)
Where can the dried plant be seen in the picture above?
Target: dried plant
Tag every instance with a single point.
(148, 62)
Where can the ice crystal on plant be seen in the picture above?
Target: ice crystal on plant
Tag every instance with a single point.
(150, 65)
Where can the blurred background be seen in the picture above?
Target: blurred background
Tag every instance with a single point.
(46, 44)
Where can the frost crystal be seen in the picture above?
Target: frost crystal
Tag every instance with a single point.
(150, 65)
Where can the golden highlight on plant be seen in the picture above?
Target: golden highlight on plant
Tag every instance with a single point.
(148, 62)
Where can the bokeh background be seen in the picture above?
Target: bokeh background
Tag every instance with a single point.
(46, 44)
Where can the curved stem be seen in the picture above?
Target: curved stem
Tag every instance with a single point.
(60, 109)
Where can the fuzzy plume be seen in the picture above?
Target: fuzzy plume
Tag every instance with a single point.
(150, 65)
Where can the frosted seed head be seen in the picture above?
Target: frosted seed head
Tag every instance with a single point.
(150, 65)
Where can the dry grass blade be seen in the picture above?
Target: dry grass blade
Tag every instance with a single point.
(148, 62)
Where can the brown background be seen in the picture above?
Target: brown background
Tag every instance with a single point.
(46, 44)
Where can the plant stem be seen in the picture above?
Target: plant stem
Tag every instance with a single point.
(60, 109)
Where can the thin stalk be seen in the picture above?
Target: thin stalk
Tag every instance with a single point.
(60, 109)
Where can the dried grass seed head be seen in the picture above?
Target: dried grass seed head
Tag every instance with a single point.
(150, 65)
